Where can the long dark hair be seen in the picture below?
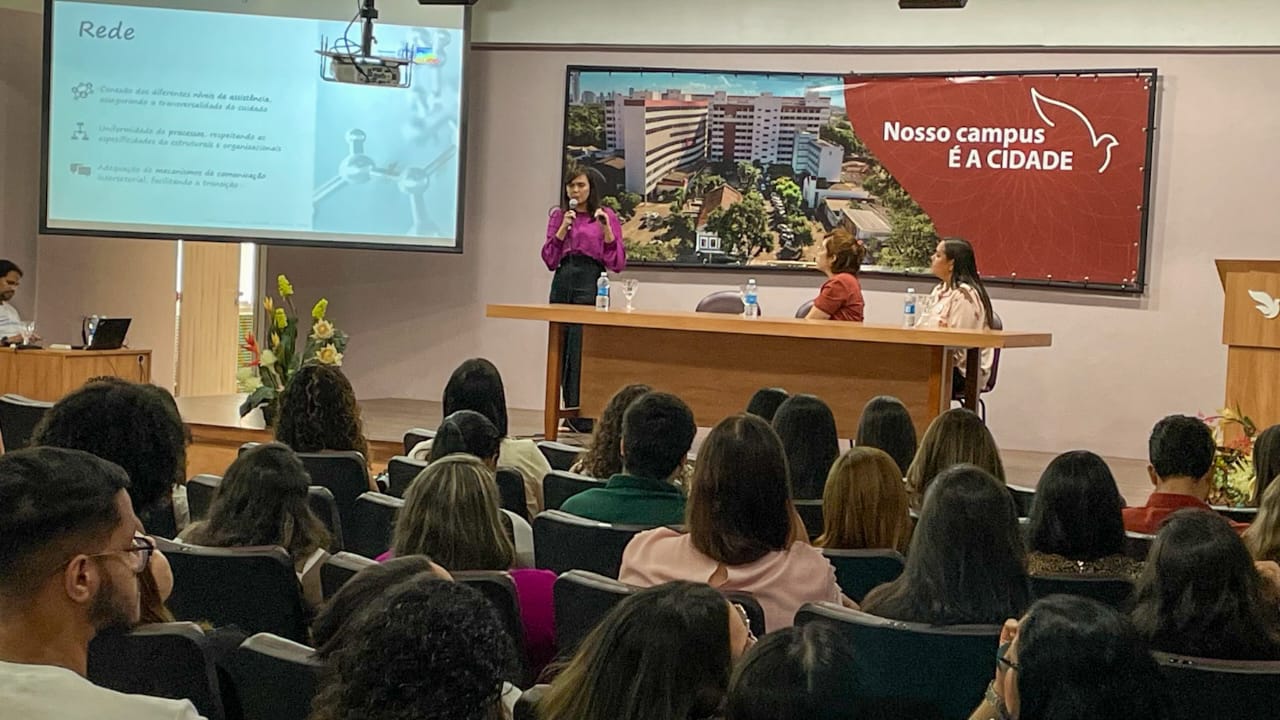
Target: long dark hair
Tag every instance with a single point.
(807, 429)
(739, 507)
(966, 563)
(603, 459)
(1077, 509)
(965, 270)
(476, 385)
(1078, 658)
(262, 500)
(1200, 594)
(318, 412)
(467, 431)
(886, 424)
(797, 673)
(660, 654)
(595, 181)
(954, 437)
(1266, 461)
(766, 401)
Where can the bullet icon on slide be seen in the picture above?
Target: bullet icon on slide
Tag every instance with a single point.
(82, 91)
(79, 133)
(81, 169)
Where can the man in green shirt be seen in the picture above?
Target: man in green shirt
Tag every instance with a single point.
(657, 432)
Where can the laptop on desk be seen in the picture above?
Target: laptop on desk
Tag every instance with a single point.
(109, 334)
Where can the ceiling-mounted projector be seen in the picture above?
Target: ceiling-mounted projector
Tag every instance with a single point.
(340, 62)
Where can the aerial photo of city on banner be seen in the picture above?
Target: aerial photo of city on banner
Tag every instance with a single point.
(714, 168)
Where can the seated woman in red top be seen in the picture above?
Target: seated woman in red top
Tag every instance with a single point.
(841, 295)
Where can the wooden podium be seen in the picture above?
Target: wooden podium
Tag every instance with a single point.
(1251, 332)
(49, 374)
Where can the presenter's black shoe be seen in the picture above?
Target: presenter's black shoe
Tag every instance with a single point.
(583, 426)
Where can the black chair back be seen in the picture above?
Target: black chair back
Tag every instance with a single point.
(1244, 515)
(401, 471)
(413, 436)
(166, 660)
(1138, 545)
(343, 473)
(858, 571)
(942, 668)
(564, 542)
(560, 455)
(728, 302)
(1113, 591)
(338, 569)
(755, 613)
(1023, 499)
(18, 418)
(582, 599)
(511, 493)
(326, 508)
(372, 520)
(254, 588)
(200, 492)
(810, 512)
(560, 485)
(1207, 688)
(500, 590)
(273, 678)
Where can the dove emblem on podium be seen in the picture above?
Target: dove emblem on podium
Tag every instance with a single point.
(1267, 305)
(1039, 100)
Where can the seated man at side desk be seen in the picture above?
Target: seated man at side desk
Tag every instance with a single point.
(10, 321)
(657, 432)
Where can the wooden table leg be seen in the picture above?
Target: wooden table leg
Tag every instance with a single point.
(555, 368)
(973, 369)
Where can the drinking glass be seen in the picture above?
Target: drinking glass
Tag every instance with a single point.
(629, 288)
(28, 332)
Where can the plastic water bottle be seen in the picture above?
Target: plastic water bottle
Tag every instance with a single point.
(909, 309)
(750, 300)
(602, 292)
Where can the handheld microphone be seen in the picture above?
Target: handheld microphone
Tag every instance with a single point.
(573, 204)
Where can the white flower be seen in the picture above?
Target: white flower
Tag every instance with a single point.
(267, 358)
(322, 330)
(329, 355)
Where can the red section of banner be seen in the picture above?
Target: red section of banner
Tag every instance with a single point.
(1044, 174)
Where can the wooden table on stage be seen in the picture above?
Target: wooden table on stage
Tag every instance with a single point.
(715, 362)
(48, 375)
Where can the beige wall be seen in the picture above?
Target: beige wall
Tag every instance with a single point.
(20, 43)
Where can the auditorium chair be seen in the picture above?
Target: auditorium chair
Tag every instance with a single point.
(957, 393)
(564, 542)
(582, 599)
(1138, 545)
(339, 568)
(560, 485)
(371, 522)
(1238, 514)
(18, 418)
(1113, 591)
(254, 588)
(755, 611)
(941, 668)
(200, 492)
(858, 571)
(511, 495)
(803, 311)
(401, 471)
(166, 660)
(413, 436)
(1023, 499)
(324, 507)
(1221, 689)
(726, 302)
(500, 590)
(344, 473)
(810, 512)
(272, 678)
(560, 455)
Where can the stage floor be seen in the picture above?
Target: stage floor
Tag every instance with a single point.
(218, 431)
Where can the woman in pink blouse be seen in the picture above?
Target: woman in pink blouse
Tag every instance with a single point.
(959, 301)
(740, 533)
(583, 239)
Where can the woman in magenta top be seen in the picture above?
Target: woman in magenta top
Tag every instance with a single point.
(841, 295)
(583, 240)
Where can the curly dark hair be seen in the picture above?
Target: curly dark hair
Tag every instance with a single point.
(428, 650)
(358, 593)
(133, 425)
(318, 412)
(604, 457)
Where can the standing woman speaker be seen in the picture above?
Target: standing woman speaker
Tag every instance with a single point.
(584, 239)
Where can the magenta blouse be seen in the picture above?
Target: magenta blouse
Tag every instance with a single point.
(585, 237)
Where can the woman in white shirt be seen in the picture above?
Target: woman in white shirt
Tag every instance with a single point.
(959, 301)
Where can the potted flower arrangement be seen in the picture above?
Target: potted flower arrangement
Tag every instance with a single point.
(1233, 477)
(291, 345)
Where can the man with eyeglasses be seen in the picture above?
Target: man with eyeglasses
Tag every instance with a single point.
(71, 550)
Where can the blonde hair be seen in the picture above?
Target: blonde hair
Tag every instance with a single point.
(451, 514)
(956, 437)
(1263, 535)
(864, 505)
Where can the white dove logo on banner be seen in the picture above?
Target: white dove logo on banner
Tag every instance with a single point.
(1039, 100)
(1267, 305)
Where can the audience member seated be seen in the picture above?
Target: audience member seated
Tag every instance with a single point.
(428, 649)
(1072, 658)
(886, 424)
(663, 653)
(319, 413)
(467, 431)
(71, 552)
(657, 432)
(154, 588)
(955, 437)
(136, 427)
(1076, 521)
(329, 629)
(262, 500)
(765, 402)
(808, 432)
(603, 458)
(1266, 461)
(1181, 450)
(742, 528)
(1263, 536)
(966, 564)
(865, 504)
(1201, 595)
(476, 385)
(451, 514)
